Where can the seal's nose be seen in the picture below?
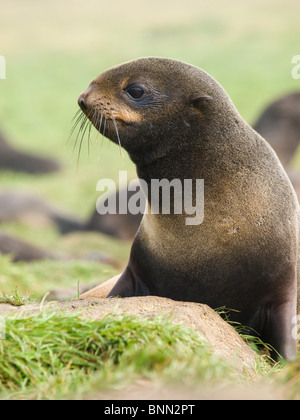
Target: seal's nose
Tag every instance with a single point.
(82, 102)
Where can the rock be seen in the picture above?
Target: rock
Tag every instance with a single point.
(225, 341)
(146, 390)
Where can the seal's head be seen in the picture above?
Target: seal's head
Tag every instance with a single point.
(150, 105)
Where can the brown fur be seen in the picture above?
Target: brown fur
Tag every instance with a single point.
(244, 254)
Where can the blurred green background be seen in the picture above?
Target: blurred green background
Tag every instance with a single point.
(53, 50)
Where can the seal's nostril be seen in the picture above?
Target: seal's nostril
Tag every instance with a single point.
(82, 103)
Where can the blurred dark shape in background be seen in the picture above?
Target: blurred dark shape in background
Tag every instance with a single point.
(23, 206)
(279, 124)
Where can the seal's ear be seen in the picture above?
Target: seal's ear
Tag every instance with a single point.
(196, 99)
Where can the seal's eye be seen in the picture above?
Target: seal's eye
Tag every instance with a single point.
(135, 92)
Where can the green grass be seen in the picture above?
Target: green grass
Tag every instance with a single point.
(53, 50)
(49, 356)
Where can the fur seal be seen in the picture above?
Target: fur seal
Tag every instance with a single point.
(26, 252)
(177, 122)
(12, 159)
(279, 124)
